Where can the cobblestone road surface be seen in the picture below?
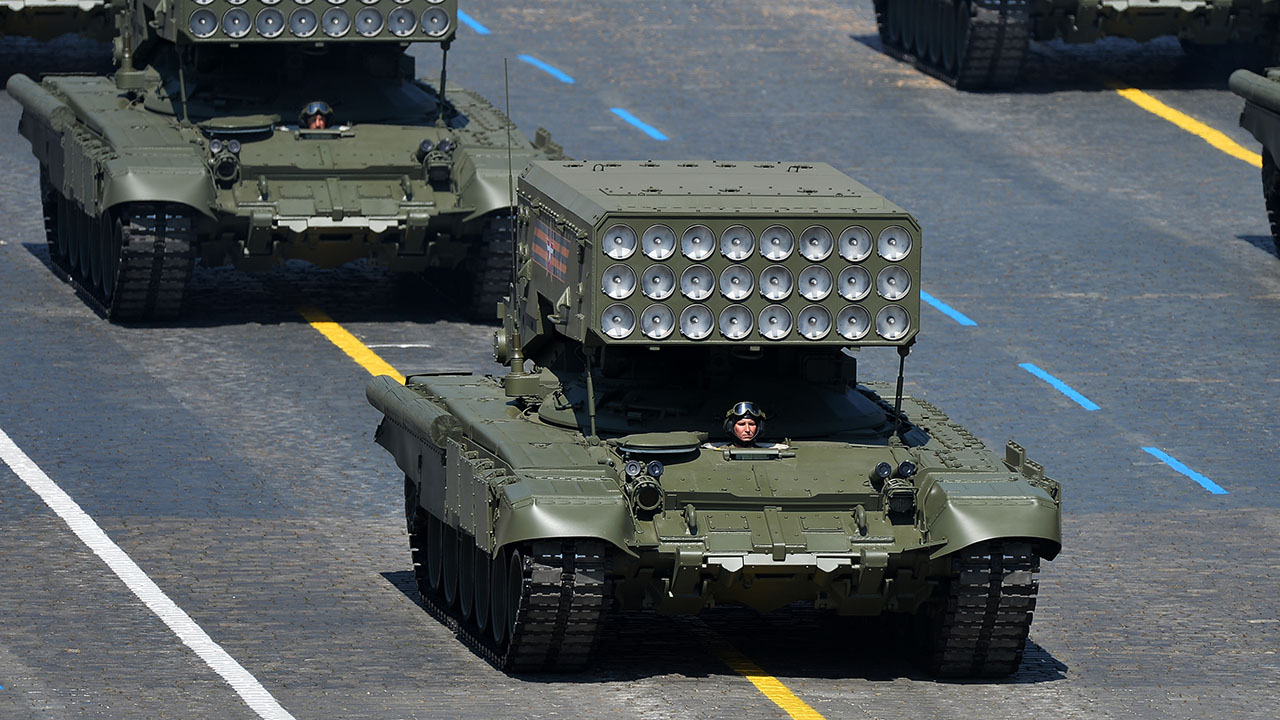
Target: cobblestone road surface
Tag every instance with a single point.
(230, 454)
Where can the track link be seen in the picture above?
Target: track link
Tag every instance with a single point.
(971, 44)
(1271, 193)
(989, 599)
(155, 255)
(490, 268)
(560, 611)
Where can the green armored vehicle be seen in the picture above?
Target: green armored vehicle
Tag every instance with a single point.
(47, 19)
(1261, 116)
(255, 131)
(981, 44)
(658, 306)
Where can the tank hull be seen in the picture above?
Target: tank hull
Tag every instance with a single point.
(757, 533)
(1261, 117)
(981, 44)
(330, 197)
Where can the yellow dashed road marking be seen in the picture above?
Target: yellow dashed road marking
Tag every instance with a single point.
(347, 343)
(1216, 138)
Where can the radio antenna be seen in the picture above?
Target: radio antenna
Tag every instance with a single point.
(511, 176)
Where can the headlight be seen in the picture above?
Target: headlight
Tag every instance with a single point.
(697, 282)
(853, 322)
(894, 243)
(737, 243)
(270, 23)
(775, 282)
(775, 322)
(854, 283)
(815, 282)
(302, 22)
(855, 244)
(735, 322)
(776, 243)
(892, 322)
(619, 282)
(658, 242)
(619, 242)
(893, 283)
(736, 282)
(698, 242)
(435, 22)
(815, 322)
(658, 321)
(659, 282)
(401, 22)
(336, 22)
(369, 22)
(617, 321)
(203, 23)
(816, 243)
(696, 322)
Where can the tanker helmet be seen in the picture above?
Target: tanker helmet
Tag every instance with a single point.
(314, 108)
(744, 409)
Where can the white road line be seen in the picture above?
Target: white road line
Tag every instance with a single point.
(191, 634)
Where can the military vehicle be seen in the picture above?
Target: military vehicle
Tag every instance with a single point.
(47, 19)
(1261, 116)
(650, 298)
(981, 44)
(197, 148)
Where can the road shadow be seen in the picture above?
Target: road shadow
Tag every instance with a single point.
(793, 642)
(1055, 66)
(1262, 242)
(355, 292)
(59, 56)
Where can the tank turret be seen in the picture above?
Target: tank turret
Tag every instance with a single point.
(682, 425)
(200, 146)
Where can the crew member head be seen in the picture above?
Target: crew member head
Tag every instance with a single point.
(744, 423)
(316, 115)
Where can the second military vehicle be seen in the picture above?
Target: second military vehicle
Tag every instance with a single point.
(254, 131)
(1261, 116)
(47, 19)
(663, 305)
(981, 44)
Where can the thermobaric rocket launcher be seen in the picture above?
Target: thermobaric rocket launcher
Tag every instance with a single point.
(597, 475)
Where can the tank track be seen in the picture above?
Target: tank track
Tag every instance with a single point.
(491, 269)
(990, 599)
(560, 613)
(1271, 193)
(156, 257)
(971, 44)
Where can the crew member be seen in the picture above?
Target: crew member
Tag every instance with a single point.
(744, 424)
(316, 115)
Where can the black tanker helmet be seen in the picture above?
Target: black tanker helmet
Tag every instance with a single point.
(316, 107)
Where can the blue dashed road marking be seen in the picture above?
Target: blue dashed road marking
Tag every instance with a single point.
(1173, 462)
(946, 309)
(1060, 386)
(551, 70)
(472, 23)
(644, 127)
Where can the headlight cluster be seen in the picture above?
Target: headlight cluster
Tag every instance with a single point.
(807, 280)
(332, 18)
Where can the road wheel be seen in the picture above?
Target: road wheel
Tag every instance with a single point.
(947, 22)
(516, 592)
(466, 576)
(498, 598)
(84, 244)
(482, 569)
(113, 232)
(49, 206)
(449, 565)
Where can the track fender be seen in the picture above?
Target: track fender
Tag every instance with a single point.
(539, 509)
(961, 514)
(174, 179)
